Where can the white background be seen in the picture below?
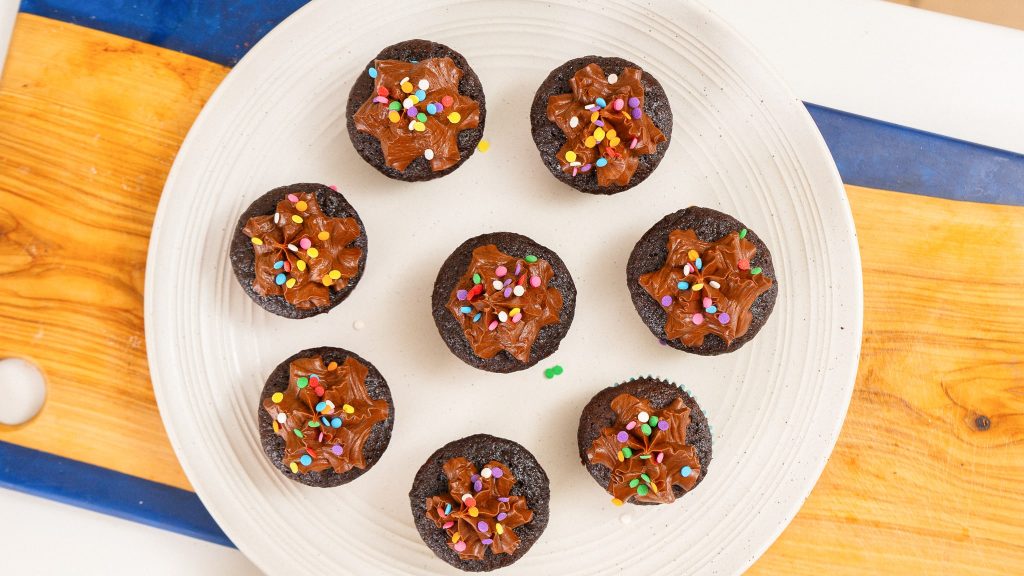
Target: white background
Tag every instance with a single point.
(907, 66)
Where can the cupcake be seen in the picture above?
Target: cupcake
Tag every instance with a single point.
(480, 502)
(325, 417)
(645, 441)
(503, 302)
(601, 124)
(701, 281)
(417, 112)
(299, 250)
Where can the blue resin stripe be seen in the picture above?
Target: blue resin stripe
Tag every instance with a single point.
(877, 154)
(104, 490)
(220, 31)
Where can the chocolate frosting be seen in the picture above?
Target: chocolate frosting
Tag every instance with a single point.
(646, 451)
(301, 253)
(429, 87)
(325, 415)
(502, 302)
(479, 509)
(604, 122)
(706, 287)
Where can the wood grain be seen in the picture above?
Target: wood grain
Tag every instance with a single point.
(89, 125)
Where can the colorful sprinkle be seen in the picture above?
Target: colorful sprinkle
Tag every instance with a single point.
(755, 270)
(499, 528)
(743, 264)
(277, 397)
(570, 156)
(634, 482)
(574, 122)
(698, 287)
(613, 78)
(497, 473)
(630, 425)
(296, 218)
(618, 104)
(636, 113)
(700, 264)
(305, 243)
(306, 460)
(653, 421)
(282, 418)
(617, 502)
(627, 451)
(643, 416)
(482, 526)
(301, 206)
(302, 382)
(686, 471)
(372, 72)
(394, 116)
(256, 241)
(293, 198)
(347, 409)
(459, 546)
(743, 233)
(622, 436)
(634, 102)
(519, 290)
(395, 105)
(535, 281)
(421, 117)
(477, 279)
(454, 117)
(297, 432)
(280, 279)
(724, 318)
(301, 265)
(697, 318)
(483, 146)
(642, 490)
(601, 162)
(492, 325)
(683, 285)
(711, 309)
(666, 300)
(662, 424)
(465, 309)
(646, 429)
(530, 258)
(335, 422)
(336, 449)
(294, 468)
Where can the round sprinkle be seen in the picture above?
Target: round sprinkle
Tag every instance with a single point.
(617, 502)
(662, 424)
(646, 429)
(613, 78)
(428, 154)
(557, 369)
(431, 108)
(312, 252)
(305, 243)
(519, 290)
(500, 271)
(279, 264)
(634, 482)
(421, 95)
(302, 382)
(486, 473)
(653, 421)
(697, 318)
(347, 409)
(686, 471)
(601, 162)
(634, 102)
(666, 300)
(301, 265)
(699, 263)
(459, 546)
(724, 318)
(419, 126)
(334, 274)
(395, 105)
(256, 241)
(590, 142)
(530, 258)
(324, 235)
(627, 451)
(549, 374)
(483, 146)
(502, 316)
(692, 255)
(332, 366)
(630, 425)
(406, 87)
(743, 264)
(336, 450)
(306, 460)
(574, 122)
(424, 84)
(394, 116)
(280, 279)
(277, 397)
(688, 269)
(482, 526)
(711, 309)
(570, 156)
(642, 490)
(706, 302)
(698, 287)
(618, 104)
(683, 285)
(499, 528)
(535, 281)
(447, 101)
(293, 198)
(372, 72)
(599, 134)
(600, 102)
(497, 473)
(477, 279)
(301, 206)
(497, 285)
(461, 295)
(454, 117)
(643, 417)
(421, 117)
(636, 113)
(755, 270)
(321, 406)
(296, 218)
(622, 436)
(335, 422)
(281, 418)
(294, 468)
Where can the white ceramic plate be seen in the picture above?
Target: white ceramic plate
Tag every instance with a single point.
(741, 143)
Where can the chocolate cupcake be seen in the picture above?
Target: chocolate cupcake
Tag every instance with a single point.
(418, 111)
(701, 281)
(502, 302)
(601, 124)
(325, 417)
(299, 250)
(645, 441)
(480, 502)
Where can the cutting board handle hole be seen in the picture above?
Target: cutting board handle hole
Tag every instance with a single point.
(22, 391)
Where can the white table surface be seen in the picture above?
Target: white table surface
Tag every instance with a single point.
(948, 75)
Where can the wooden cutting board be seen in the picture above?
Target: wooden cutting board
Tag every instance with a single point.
(928, 473)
